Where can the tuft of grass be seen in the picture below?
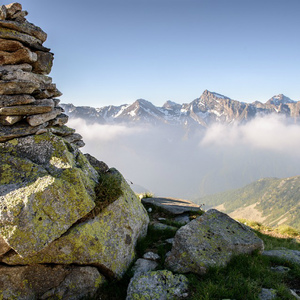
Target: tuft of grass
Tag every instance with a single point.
(108, 190)
(287, 230)
(145, 195)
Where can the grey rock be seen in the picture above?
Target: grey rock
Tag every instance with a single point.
(12, 68)
(143, 266)
(99, 166)
(48, 282)
(60, 120)
(74, 137)
(286, 254)
(28, 40)
(208, 241)
(295, 294)
(151, 256)
(182, 219)
(280, 269)
(44, 190)
(15, 87)
(3, 12)
(25, 27)
(39, 119)
(170, 241)
(106, 240)
(8, 100)
(157, 285)
(267, 294)
(44, 62)
(37, 107)
(161, 226)
(79, 144)
(62, 130)
(10, 120)
(172, 205)
(18, 130)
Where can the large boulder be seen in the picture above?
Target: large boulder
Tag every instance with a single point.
(106, 240)
(45, 187)
(48, 282)
(210, 240)
(157, 285)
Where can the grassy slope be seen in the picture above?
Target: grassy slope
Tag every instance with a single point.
(275, 197)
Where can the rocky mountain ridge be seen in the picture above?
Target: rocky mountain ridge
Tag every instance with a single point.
(209, 108)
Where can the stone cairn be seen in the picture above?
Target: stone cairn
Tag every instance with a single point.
(28, 103)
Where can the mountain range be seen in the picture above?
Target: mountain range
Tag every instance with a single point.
(209, 108)
(272, 201)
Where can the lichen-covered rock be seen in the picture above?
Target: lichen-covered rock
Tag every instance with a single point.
(208, 241)
(157, 285)
(107, 240)
(292, 256)
(45, 187)
(48, 282)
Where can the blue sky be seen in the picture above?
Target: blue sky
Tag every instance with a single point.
(116, 51)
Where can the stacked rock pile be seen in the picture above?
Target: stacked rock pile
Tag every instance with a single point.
(28, 103)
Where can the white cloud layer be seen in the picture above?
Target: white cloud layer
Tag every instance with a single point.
(166, 162)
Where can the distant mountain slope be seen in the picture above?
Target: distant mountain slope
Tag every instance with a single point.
(209, 108)
(270, 200)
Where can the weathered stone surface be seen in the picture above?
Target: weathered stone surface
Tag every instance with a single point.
(144, 266)
(161, 226)
(62, 130)
(44, 189)
(48, 282)
(28, 40)
(208, 241)
(10, 120)
(18, 57)
(47, 91)
(3, 12)
(172, 205)
(108, 240)
(151, 256)
(60, 120)
(286, 254)
(4, 247)
(267, 294)
(12, 68)
(79, 144)
(99, 166)
(74, 137)
(25, 27)
(8, 100)
(19, 17)
(38, 107)
(18, 130)
(39, 119)
(13, 8)
(43, 63)
(10, 45)
(19, 74)
(157, 285)
(14, 87)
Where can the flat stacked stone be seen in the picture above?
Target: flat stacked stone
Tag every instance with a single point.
(28, 97)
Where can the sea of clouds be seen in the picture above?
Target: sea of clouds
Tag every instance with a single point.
(168, 161)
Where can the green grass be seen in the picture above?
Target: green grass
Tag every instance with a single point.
(243, 278)
(245, 275)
